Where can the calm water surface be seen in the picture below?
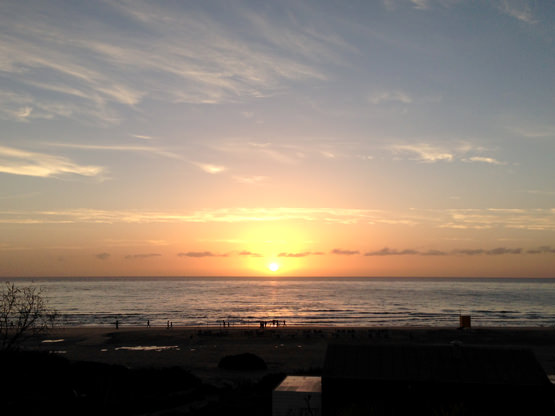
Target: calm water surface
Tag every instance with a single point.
(300, 301)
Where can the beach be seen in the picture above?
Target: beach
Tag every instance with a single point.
(163, 371)
(289, 350)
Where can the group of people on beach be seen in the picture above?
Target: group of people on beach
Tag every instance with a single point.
(274, 322)
(169, 324)
(223, 323)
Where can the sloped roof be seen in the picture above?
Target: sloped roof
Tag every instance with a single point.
(303, 384)
(434, 363)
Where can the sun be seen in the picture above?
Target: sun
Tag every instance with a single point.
(273, 267)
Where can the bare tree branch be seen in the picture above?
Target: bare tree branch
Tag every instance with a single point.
(24, 313)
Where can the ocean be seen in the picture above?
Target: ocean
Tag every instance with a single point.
(327, 301)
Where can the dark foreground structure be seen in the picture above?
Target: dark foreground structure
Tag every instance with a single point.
(433, 380)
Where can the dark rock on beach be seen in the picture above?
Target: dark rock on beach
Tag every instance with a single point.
(242, 362)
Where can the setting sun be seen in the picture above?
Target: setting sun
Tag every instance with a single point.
(273, 267)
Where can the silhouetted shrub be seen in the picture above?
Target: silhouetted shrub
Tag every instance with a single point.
(33, 381)
(40, 383)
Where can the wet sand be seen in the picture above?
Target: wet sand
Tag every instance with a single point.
(291, 350)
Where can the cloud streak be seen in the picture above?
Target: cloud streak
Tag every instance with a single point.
(432, 153)
(249, 254)
(519, 9)
(388, 252)
(424, 152)
(211, 169)
(20, 162)
(141, 256)
(494, 252)
(391, 97)
(481, 159)
(468, 252)
(526, 219)
(200, 254)
(542, 250)
(120, 148)
(342, 252)
(384, 252)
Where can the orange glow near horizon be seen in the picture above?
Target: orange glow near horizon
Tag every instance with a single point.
(268, 244)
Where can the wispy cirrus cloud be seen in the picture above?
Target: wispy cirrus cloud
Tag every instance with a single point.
(142, 136)
(21, 162)
(22, 113)
(390, 97)
(431, 153)
(327, 155)
(424, 152)
(230, 215)
(27, 106)
(197, 57)
(526, 219)
(415, 4)
(210, 168)
(283, 153)
(519, 9)
(532, 130)
(481, 159)
(120, 148)
(420, 4)
(292, 151)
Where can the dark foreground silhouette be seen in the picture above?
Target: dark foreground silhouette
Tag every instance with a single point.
(40, 384)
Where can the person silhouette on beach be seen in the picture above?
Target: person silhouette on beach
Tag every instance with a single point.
(117, 324)
(148, 323)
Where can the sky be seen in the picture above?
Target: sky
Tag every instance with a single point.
(335, 138)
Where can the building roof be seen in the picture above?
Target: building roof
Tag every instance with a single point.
(302, 384)
(434, 363)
